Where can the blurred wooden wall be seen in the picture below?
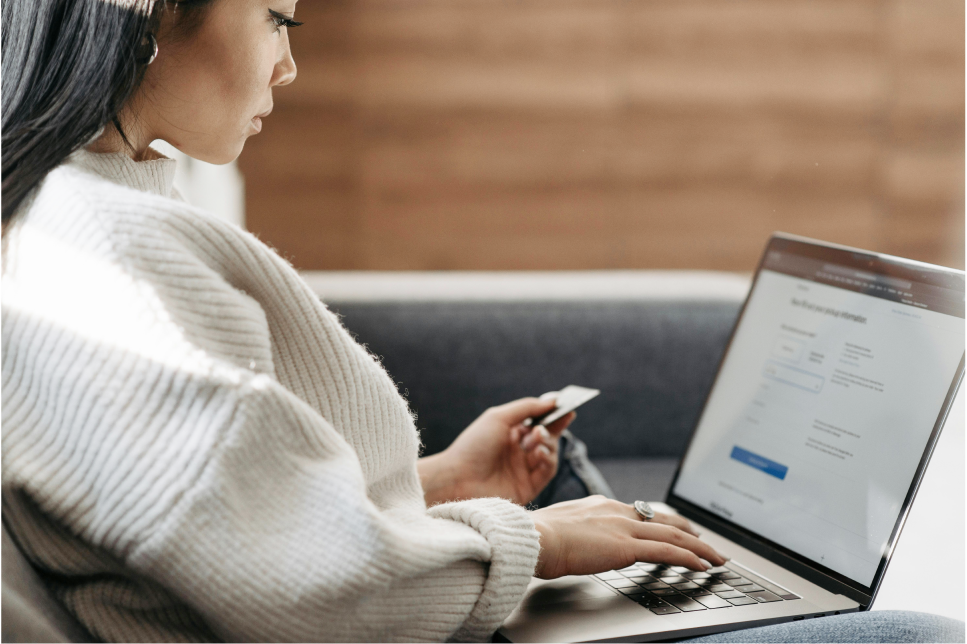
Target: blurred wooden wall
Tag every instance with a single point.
(586, 134)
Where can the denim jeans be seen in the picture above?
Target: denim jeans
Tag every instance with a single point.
(576, 477)
(870, 626)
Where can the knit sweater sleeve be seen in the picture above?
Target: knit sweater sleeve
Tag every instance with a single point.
(277, 540)
(230, 443)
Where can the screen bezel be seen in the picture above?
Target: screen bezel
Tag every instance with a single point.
(824, 577)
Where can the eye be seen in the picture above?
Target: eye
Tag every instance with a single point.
(282, 20)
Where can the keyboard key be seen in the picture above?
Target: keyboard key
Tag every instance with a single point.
(765, 596)
(651, 603)
(772, 588)
(686, 604)
(655, 585)
(696, 575)
(717, 569)
(726, 575)
(631, 592)
(630, 568)
(612, 574)
(775, 589)
(676, 579)
(741, 601)
(665, 610)
(679, 569)
(640, 577)
(621, 583)
(738, 581)
(698, 592)
(661, 592)
(711, 601)
(749, 588)
(648, 567)
(718, 588)
(779, 590)
(687, 585)
(730, 594)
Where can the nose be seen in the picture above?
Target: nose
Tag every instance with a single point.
(285, 70)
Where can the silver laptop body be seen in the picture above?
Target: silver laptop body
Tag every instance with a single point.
(828, 402)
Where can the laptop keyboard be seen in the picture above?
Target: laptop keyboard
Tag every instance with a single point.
(667, 590)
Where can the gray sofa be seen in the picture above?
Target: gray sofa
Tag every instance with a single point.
(457, 344)
(650, 348)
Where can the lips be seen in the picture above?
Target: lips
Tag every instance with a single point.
(257, 120)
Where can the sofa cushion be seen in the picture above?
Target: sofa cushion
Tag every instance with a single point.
(652, 360)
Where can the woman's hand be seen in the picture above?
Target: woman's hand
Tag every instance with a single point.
(497, 456)
(596, 534)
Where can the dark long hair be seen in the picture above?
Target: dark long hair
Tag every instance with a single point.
(68, 68)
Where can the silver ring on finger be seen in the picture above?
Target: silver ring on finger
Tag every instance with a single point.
(644, 511)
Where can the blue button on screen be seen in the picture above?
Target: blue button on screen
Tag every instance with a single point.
(759, 462)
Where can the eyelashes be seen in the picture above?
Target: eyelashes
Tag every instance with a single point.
(281, 20)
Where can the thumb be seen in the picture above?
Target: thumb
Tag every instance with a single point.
(520, 410)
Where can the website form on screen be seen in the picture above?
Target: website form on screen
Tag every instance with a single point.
(822, 410)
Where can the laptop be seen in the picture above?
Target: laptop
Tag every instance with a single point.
(805, 460)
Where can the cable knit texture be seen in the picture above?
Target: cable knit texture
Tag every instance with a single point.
(194, 448)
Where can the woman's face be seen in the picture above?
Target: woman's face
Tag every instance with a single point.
(211, 83)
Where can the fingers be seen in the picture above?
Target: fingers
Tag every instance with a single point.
(678, 538)
(660, 517)
(674, 520)
(538, 435)
(540, 456)
(561, 424)
(518, 411)
(666, 553)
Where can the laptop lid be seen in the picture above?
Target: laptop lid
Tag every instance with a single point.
(829, 399)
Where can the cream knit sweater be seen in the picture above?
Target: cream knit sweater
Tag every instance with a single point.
(194, 447)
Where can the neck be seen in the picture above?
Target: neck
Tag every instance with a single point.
(135, 142)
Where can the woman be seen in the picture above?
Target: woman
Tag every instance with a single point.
(193, 447)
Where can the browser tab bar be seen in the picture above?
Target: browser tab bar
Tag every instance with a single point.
(918, 294)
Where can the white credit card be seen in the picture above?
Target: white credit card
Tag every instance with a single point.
(568, 399)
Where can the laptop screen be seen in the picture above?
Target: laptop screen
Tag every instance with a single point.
(824, 404)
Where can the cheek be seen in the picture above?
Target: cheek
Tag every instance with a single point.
(243, 82)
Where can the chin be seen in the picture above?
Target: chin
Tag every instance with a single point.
(221, 156)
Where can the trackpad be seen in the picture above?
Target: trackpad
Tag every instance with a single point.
(555, 593)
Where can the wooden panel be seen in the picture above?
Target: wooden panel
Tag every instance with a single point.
(922, 168)
(582, 134)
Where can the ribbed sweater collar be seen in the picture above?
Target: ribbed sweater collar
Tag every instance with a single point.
(155, 176)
